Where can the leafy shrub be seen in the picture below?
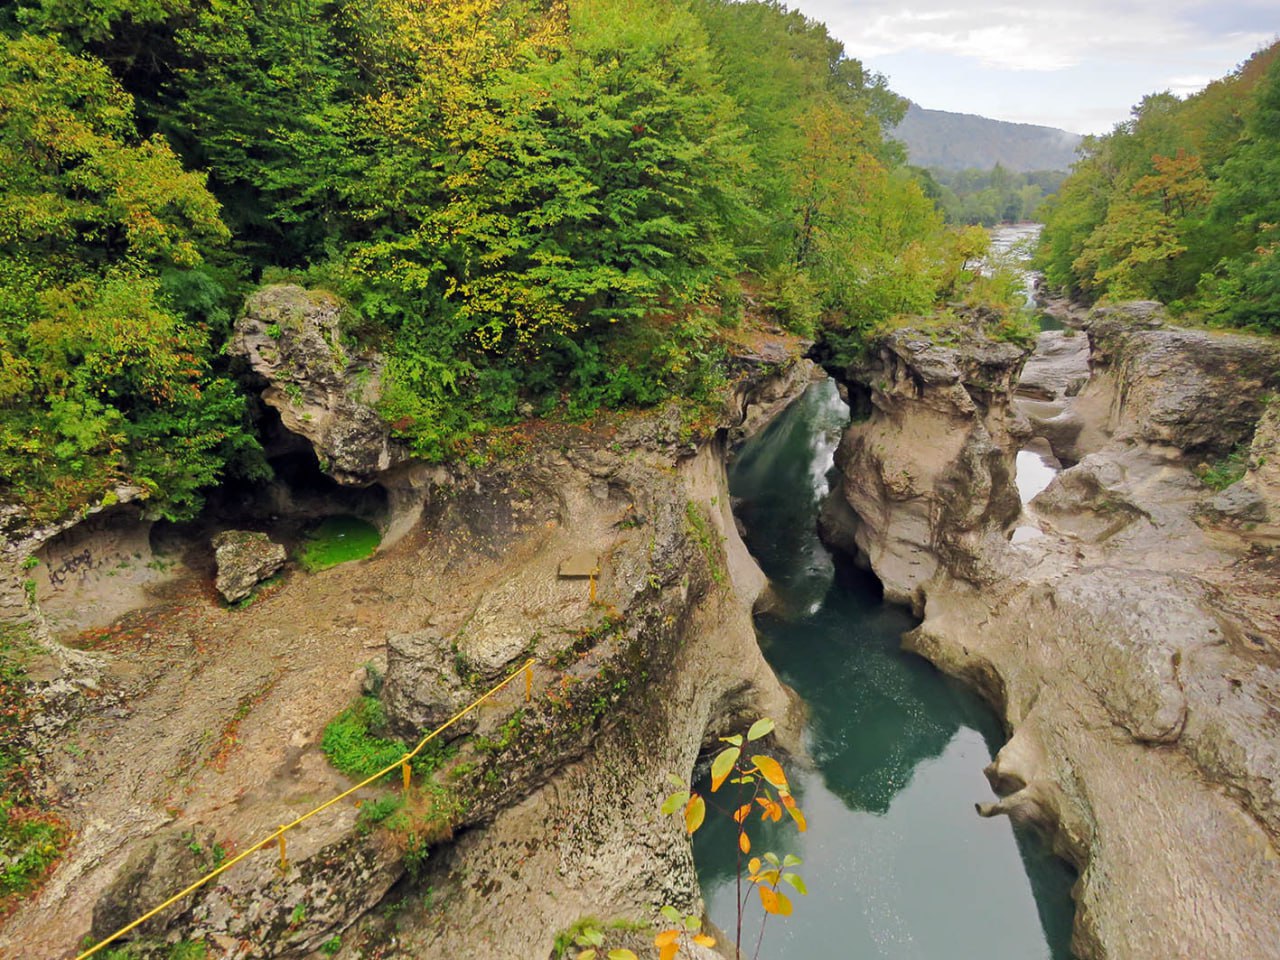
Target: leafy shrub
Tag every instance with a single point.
(1220, 475)
(356, 742)
(352, 744)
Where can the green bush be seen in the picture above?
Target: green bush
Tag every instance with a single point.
(1220, 475)
(356, 742)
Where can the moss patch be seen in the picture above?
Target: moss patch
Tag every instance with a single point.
(336, 540)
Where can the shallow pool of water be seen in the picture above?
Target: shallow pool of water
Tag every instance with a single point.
(897, 862)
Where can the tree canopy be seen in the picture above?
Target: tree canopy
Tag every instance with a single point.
(1181, 204)
(549, 203)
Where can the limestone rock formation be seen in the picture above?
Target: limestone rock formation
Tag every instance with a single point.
(292, 339)
(165, 863)
(422, 688)
(554, 798)
(1254, 499)
(927, 467)
(245, 558)
(1132, 647)
(1200, 392)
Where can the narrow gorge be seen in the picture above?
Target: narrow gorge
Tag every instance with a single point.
(1122, 622)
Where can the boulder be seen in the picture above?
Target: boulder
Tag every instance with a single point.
(245, 558)
(422, 689)
(1240, 501)
(1058, 368)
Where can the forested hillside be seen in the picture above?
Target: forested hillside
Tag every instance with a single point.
(962, 141)
(1180, 204)
(524, 202)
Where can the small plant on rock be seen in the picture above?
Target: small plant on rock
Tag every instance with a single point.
(766, 791)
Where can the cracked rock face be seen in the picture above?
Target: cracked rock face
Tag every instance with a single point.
(1200, 392)
(1132, 646)
(422, 688)
(292, 339)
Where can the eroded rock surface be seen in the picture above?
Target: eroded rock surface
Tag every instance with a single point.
(1199, 391)
(422, 688)
(1132, 646)
(556, 794)
(245, 558)
(292, 339)
(928, 467)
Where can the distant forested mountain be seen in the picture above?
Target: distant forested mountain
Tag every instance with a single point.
(962, 141)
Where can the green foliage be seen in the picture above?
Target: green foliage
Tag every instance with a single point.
(1225, 472)
(181, 950)
(356, 742)
(708, 540)
(1180, 204)
(352, 744)
(188, 950)
(506, 735)
(335, 540)
(374, 812)
(992, 196)
(526, 206)
(30, 843)
(331, 946)
(103, 379)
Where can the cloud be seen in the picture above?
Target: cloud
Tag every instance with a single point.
(1078, 64)
(1189, 84)
(1030, 37)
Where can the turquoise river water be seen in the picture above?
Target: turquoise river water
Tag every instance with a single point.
(897, 862)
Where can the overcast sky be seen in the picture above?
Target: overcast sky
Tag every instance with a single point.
(1079, 66)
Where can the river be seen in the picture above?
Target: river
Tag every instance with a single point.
(896, 861)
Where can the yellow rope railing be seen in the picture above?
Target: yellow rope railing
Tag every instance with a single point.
(278, 837)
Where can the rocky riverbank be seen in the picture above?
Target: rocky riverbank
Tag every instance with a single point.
(209, 731)
(1129, 633)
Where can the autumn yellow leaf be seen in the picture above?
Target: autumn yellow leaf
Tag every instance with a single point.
(768, 899)
(801, 823)
(744, 842)
(694, 813)
(722, 766)
(666, 937)
(770, 769)
(703, 940)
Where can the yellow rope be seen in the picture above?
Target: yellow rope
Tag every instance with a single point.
(527, 665)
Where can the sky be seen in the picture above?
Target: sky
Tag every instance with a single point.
(1079, 66)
